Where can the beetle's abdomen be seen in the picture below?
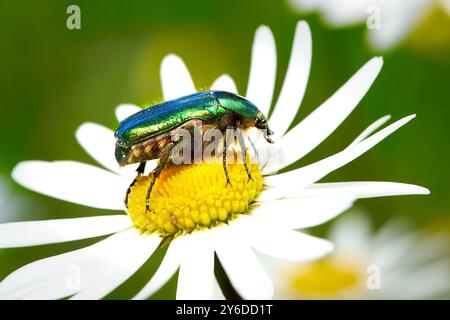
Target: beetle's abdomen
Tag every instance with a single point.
(161, 118)
(150, 149)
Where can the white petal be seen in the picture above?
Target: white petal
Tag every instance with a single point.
(303, 212)
(307, 175)
(430, 281)
(224, 83)
(74, 182)
(305, 6)
(390, 231)
(295, 81)
(368, 131)
(165, 271)
(347, 12)
(32, 233)
(90, 273)
(125, 110)
(428, 248)
(217, 291)
(361, 190)
(263, 70)
(368, 189)
(175, 78)
(292, 245)
(395, 246)
(12, 205)
(398, 20)
(282, 243)
(129, 256)
(393, 254)
(270, 155)
(98, 141)
(351, 234)
(196, 275)
(325, 119)
(242, 266)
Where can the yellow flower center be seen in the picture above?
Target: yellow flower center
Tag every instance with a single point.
(189, 197)
(334, 277)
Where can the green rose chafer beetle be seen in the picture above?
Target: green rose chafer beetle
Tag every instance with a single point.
(147, 134)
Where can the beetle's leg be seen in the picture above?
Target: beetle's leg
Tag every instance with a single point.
(155, 175)
(225, 123)
(244, 152)
(224, 163)
(267, 134)
(140, 170)
(224, 156)
(156, 172)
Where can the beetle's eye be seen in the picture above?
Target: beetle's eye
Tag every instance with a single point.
(261, 122)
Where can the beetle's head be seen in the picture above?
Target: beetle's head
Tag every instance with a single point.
(122, 154)
(262, 123)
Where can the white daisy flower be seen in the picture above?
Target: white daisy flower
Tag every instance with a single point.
(391, 263)
(389, 21)
(193, 203)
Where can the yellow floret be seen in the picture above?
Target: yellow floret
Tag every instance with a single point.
(189, 197)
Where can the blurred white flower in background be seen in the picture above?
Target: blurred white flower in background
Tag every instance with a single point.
(388, 21)
(394, 262)
(11, 208)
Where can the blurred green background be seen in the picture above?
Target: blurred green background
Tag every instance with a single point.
(54, 79)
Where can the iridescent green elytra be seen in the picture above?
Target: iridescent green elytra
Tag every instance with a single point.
(147, 134)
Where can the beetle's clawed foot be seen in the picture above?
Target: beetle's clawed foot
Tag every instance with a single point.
(147, 199)
(268, 138)
(267, 135)
(228, 183)
(127, 194)
(140, 171)
(249, 175)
